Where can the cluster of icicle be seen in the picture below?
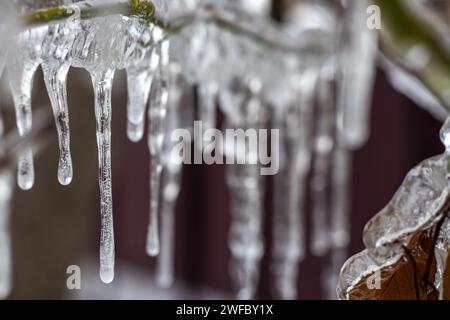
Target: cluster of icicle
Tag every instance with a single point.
(252, 84)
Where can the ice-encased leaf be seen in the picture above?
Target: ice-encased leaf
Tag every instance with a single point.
(408, 220)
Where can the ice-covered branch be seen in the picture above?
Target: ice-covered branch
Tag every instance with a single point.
(415, 44)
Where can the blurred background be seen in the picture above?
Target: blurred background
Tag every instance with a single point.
(55, 226)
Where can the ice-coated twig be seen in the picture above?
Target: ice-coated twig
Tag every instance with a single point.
(102, 82)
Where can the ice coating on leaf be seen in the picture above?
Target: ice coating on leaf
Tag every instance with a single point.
(418, 203)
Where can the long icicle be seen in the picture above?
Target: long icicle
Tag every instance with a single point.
(102, 82)
(289, 238)
(246, 187)
(340, 218)
(157, 116)
(323, 146)
(55, 76)
(171, 184)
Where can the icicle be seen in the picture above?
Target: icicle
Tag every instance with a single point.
(246, 187)
(6, 187)
(358, 71)
(139, 79)
(171, 184)
(323, 146)
(56, 81)
(165, 262)
(21, 74)
(340, 217)
(207, 105)
(157, 116)
(102, 81)
(341, 193)
(289, 241)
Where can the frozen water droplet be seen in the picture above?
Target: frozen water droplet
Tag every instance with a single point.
(107, 275)
(25, 172)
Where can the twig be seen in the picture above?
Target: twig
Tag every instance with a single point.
(404, 31)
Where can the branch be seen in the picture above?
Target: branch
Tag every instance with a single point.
(145, 10)
(405, 31)
(141, 8)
